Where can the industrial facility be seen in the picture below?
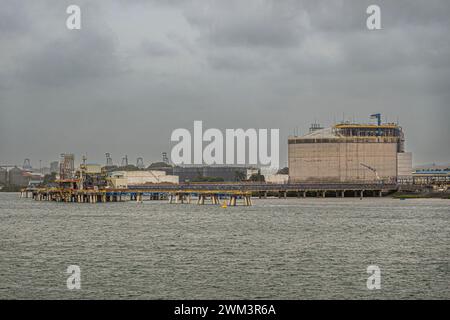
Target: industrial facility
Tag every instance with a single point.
(67, 165)
(350, 152)
(346, 159)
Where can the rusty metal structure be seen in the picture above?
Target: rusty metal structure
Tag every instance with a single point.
(66, 166)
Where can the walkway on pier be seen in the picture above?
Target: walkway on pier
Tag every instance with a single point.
(183, 193)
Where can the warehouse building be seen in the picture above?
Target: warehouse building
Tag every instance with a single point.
(430, 175)
(349, 152)
(22, 178)
(124, 179)
(214, 173)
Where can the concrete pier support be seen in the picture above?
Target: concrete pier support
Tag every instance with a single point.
(247, 200)
(179, 198)
(184, 193)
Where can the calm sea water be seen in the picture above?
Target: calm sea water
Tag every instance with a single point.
(277, 249)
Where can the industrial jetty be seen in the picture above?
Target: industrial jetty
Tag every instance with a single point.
(202, 193)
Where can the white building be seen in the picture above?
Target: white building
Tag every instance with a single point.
(404, 165)
(277, 178)
(123, 179)
(93, 168)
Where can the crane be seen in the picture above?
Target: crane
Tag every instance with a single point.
(378, 117)
(371, 169)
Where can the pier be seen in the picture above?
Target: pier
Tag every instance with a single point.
(208, 193)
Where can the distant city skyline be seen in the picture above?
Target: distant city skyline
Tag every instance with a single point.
(137, 70)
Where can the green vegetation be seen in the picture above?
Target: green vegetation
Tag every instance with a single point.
(285, 170)
(431, 195)
(159, 165)
(257, 177)
(129, 167)
(109, 168)
(240, 176)
(208, 179)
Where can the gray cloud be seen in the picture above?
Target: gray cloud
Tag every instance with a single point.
(73, 59)
(139, 69)
(257, 24)
(13, 20)
(322, 36)
(157, 49)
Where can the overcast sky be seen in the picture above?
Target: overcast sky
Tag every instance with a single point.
(139, 69)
